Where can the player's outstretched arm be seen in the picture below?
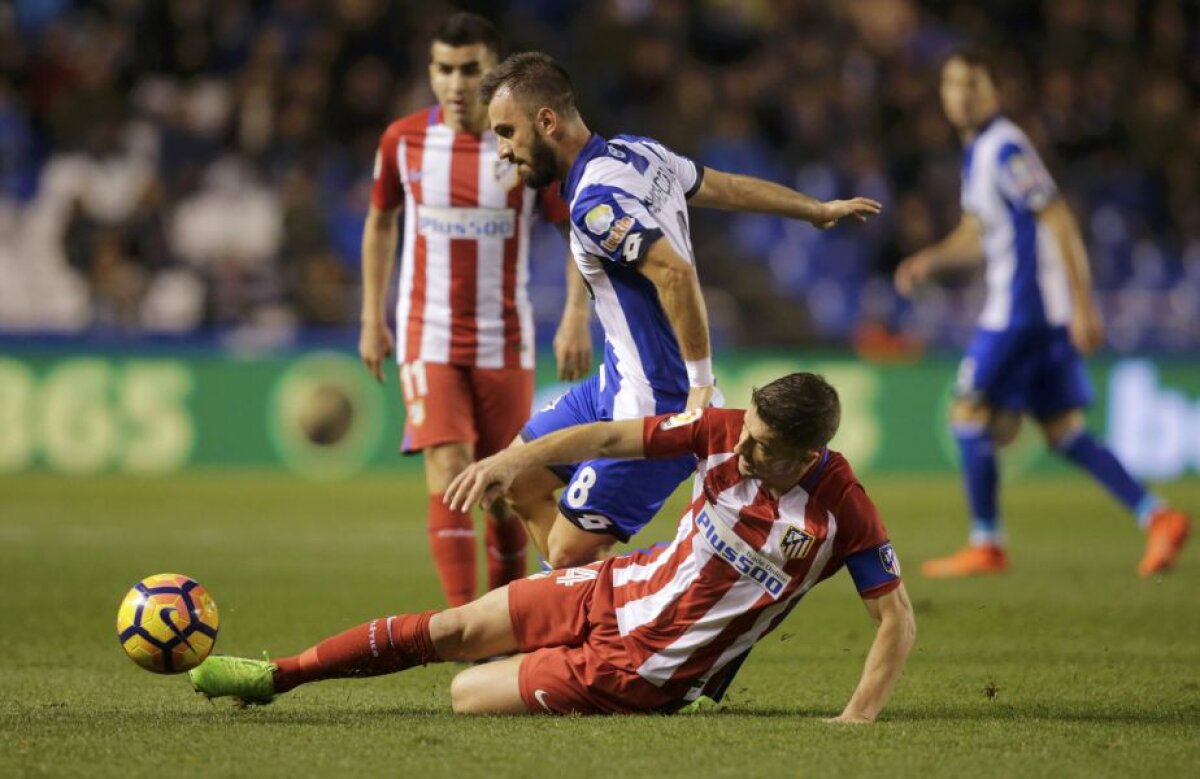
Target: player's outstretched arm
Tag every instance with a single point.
(736, 192)
(573, 340)
(1087, 328)
(380, 235)
(683, 303)
(484, 481)
(962, 248)
(894, 638)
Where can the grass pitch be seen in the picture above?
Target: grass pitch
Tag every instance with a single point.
(1068, 666)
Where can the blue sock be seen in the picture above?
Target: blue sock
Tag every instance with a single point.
(980, 475)
(1082, 448)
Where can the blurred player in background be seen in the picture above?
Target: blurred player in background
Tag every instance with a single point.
(773, 513)
(629, 201)
(465, 341)
(1039, 316)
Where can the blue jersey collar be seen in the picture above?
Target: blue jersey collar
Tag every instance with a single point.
(814, 473)
(590, 151)
(983, 128)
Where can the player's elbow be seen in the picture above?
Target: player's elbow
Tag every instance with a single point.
(379, 221)
(671, 275)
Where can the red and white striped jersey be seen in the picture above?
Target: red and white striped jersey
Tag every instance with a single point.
(741, 559)
(464, 271)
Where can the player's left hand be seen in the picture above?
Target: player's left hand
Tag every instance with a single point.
(831, 211)
(481, 483)
(573, 348)
(1087, 329)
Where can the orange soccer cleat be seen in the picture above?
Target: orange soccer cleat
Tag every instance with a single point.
(1168, 531)
(968, 561)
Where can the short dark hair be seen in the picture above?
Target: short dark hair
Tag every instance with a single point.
(532, 77)
(974, 56)
(801, 408)
(463, 29)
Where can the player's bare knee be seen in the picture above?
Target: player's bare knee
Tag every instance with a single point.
(568, 553)
(1004, 427)
(529, 489)
(567, 558)
(444, 462)
(448, 630)
(964, 411)
(463, 693)
(1057, 428)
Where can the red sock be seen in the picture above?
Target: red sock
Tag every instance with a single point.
(452, 539)
(506, 550)
(381, 646)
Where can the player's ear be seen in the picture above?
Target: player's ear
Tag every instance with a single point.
(546, 120)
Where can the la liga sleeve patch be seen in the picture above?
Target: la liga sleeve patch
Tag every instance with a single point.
(680, 420)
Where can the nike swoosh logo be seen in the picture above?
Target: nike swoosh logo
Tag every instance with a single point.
(165, 615)
(540, 695)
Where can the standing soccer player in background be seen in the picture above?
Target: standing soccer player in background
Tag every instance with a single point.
(1038, 318)
(465, 340)
(629, 199)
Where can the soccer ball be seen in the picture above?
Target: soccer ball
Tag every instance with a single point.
(167, 623)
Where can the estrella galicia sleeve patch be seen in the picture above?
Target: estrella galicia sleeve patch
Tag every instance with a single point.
(874, 568)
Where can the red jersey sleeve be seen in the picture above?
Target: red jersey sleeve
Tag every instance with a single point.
(387, 193)
(700, 432)
(869, 555)
(554, 209)
(859, 519)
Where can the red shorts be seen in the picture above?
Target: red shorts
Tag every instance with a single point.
(446, 404)
(576, 662)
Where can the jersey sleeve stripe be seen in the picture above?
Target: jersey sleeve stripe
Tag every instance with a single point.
(699, 180)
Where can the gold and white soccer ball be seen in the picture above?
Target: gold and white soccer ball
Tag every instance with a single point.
(167, 623)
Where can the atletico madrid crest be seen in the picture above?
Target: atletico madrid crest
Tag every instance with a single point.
(796, 543)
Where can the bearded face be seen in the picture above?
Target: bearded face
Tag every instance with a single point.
(540, 169)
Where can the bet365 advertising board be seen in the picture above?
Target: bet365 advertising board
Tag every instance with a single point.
(321, 416)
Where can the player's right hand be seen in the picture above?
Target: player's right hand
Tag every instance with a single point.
(481, 483)
(911, 272)
(573, 348)
(831, 211)
(375, 344)
(1086, 329)
(700, 397)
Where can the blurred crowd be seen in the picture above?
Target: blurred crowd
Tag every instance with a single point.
(173, 165)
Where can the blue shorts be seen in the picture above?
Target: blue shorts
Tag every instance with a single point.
(616, 497)
(1037, 371)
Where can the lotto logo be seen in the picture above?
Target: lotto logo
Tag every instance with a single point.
(633, 247)
(593, 522)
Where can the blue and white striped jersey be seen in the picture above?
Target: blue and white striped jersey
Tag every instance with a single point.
(625, 194)
(1005, 185)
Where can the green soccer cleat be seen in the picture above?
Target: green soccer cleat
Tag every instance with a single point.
(250, 682)
(701, 705)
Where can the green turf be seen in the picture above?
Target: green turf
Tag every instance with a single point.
(1094, 672)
